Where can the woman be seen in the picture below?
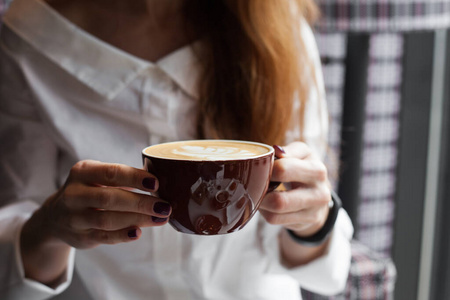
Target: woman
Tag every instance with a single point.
(85, 85)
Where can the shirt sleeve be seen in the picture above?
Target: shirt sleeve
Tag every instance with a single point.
(328, 274)
(13, 284)
(28, 170)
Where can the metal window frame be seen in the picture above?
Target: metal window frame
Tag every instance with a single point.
(412, 161)
(440, 271)
(420, 181)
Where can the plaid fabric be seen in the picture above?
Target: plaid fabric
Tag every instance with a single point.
(379, 154)
(381, 134)
(332, 48)
(372, 277)
(383, 15)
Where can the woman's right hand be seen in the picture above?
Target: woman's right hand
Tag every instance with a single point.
(95, 206)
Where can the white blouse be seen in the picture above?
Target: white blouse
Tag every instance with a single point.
(66, 96)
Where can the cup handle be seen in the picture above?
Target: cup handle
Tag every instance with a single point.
(273, 184)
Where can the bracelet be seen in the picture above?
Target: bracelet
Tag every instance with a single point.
(322, 235)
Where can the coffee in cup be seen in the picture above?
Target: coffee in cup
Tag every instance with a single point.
(213, 186)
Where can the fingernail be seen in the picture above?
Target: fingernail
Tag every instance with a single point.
(132, 233)
(279, 149)
(149, 183)
(158, 220)
(161, 208)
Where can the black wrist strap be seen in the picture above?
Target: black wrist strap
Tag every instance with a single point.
(322, 235)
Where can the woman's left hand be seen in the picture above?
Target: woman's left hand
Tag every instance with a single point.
(304, 207)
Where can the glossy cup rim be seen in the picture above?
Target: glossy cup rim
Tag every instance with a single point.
(270, 148)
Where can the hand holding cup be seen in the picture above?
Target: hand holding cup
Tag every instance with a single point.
(96, 205)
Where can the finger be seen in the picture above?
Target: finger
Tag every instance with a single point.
(99, 173)
(298, 170)
(295, 200)
(125, 235)
(301, 218)
(111, 220)
(297, 149)
(79, 197)
(279, 151)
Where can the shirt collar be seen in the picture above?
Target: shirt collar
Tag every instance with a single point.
(102, 67)
(183, 67)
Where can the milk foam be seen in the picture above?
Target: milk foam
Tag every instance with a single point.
(213, 152)
(208, 150)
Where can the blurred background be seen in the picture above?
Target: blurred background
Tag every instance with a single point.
(386, 68)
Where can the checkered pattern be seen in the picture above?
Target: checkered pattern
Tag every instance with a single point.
(381, 134)
(379, 156)
(385, 21)
(383, 15)
(332, 48)
(372, 277)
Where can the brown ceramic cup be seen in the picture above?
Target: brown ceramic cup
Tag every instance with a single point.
(213, 186)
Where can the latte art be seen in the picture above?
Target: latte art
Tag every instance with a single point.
(213, 152)
(208, 150)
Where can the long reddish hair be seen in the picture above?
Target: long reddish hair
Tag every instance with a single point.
(254, 64)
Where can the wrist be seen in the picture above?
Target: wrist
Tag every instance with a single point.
(44, 256)
(314, 228)
(321, 235)
(36, 232)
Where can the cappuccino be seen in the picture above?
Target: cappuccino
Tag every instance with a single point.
(213, 186)
(208, 150)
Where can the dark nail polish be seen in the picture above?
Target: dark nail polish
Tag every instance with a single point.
(161, 208)
(158, 220)
(132, 233)
(149, 183)
(279, 149)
